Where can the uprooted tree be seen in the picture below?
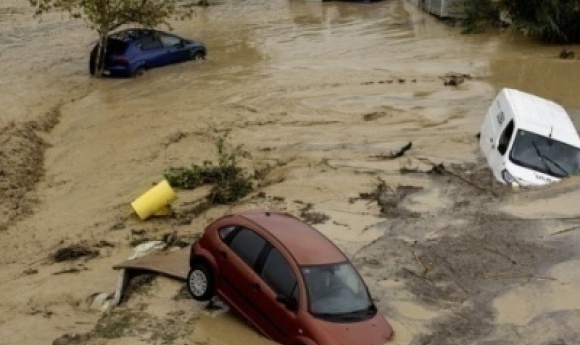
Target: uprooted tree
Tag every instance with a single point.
(104, 16)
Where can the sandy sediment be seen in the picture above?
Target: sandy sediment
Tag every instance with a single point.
(451, 260)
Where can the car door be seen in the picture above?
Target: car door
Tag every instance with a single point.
(279, 294)
(153, 52)
(238, 254)
(174, 47)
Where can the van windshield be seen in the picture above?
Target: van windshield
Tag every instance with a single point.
(336, 292)
(545, 155)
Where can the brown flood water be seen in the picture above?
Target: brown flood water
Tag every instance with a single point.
(315, 90)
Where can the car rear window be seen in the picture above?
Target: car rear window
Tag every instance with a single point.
(116, 47)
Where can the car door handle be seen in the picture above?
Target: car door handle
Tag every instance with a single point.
(256, 286)
(224, 254)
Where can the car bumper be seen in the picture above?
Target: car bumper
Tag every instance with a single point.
(117, 71)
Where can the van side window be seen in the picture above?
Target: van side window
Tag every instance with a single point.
(505, 138)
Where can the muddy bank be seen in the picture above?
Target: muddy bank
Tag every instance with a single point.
(22, 165)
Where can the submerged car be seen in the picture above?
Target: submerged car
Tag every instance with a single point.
(528, 140)
(286, 279)
(130, 52)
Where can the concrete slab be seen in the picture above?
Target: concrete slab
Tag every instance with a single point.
(174, 263)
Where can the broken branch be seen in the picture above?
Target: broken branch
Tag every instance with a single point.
(396, 155)
(566, 230)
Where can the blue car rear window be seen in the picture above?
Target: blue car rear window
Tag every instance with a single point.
(116, 47)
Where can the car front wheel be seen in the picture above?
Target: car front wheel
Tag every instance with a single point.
(197, 56)
(200, 282)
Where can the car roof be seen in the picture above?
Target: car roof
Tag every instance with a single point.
(306, 244)
(541, 116)
(129, 35)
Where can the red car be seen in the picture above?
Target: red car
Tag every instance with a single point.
(286, 279)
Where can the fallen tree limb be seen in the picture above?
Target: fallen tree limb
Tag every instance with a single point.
(440, 169)
(397, 154)
(566, 230)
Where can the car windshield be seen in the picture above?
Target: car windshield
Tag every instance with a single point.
(545, 155)
(336, 291)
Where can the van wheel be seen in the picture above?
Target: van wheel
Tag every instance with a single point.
(200, 282)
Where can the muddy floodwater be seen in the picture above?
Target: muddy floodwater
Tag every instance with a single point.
(318, 95)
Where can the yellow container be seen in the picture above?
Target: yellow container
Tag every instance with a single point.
(154, 200)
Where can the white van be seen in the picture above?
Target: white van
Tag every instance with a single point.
(528, 140)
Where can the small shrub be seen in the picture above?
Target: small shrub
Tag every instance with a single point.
(478, 14)
(230, 184)
(231, 190)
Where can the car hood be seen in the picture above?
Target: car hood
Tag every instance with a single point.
(373, 331)
(194, 42)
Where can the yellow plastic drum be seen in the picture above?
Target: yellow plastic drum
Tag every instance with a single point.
(154, 200)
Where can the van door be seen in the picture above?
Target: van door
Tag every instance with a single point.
(489, 129)
(501, 146)
(496, 136)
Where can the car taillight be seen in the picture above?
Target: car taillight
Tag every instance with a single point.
(121, 60)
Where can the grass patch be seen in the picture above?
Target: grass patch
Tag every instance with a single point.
(115, 325)
(73, 252)
(229, 181)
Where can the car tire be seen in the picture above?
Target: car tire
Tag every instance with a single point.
(139, 71)
(197, 56)
(200, 282)
(93, 62)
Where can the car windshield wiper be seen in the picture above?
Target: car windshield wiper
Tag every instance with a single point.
(339, 316)
(545, 159)
(355, 314)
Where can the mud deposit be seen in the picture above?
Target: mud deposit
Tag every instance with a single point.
(458, 261)
(322, 96)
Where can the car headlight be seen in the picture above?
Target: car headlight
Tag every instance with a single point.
(508, 178)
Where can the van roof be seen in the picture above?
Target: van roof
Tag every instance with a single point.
(541, 116)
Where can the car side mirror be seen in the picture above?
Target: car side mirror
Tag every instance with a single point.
(289, 302)
(181, 44)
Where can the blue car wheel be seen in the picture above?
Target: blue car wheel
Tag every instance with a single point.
(196, 55)
(138, 71)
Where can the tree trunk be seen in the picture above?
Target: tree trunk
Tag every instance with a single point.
(101, 51)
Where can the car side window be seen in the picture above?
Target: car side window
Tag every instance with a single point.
(150, 43)
(170, 41)
(278, 274)
(248, 245)
(227, 233)
(505, 138)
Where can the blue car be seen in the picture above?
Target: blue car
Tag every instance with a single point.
(130, 52)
